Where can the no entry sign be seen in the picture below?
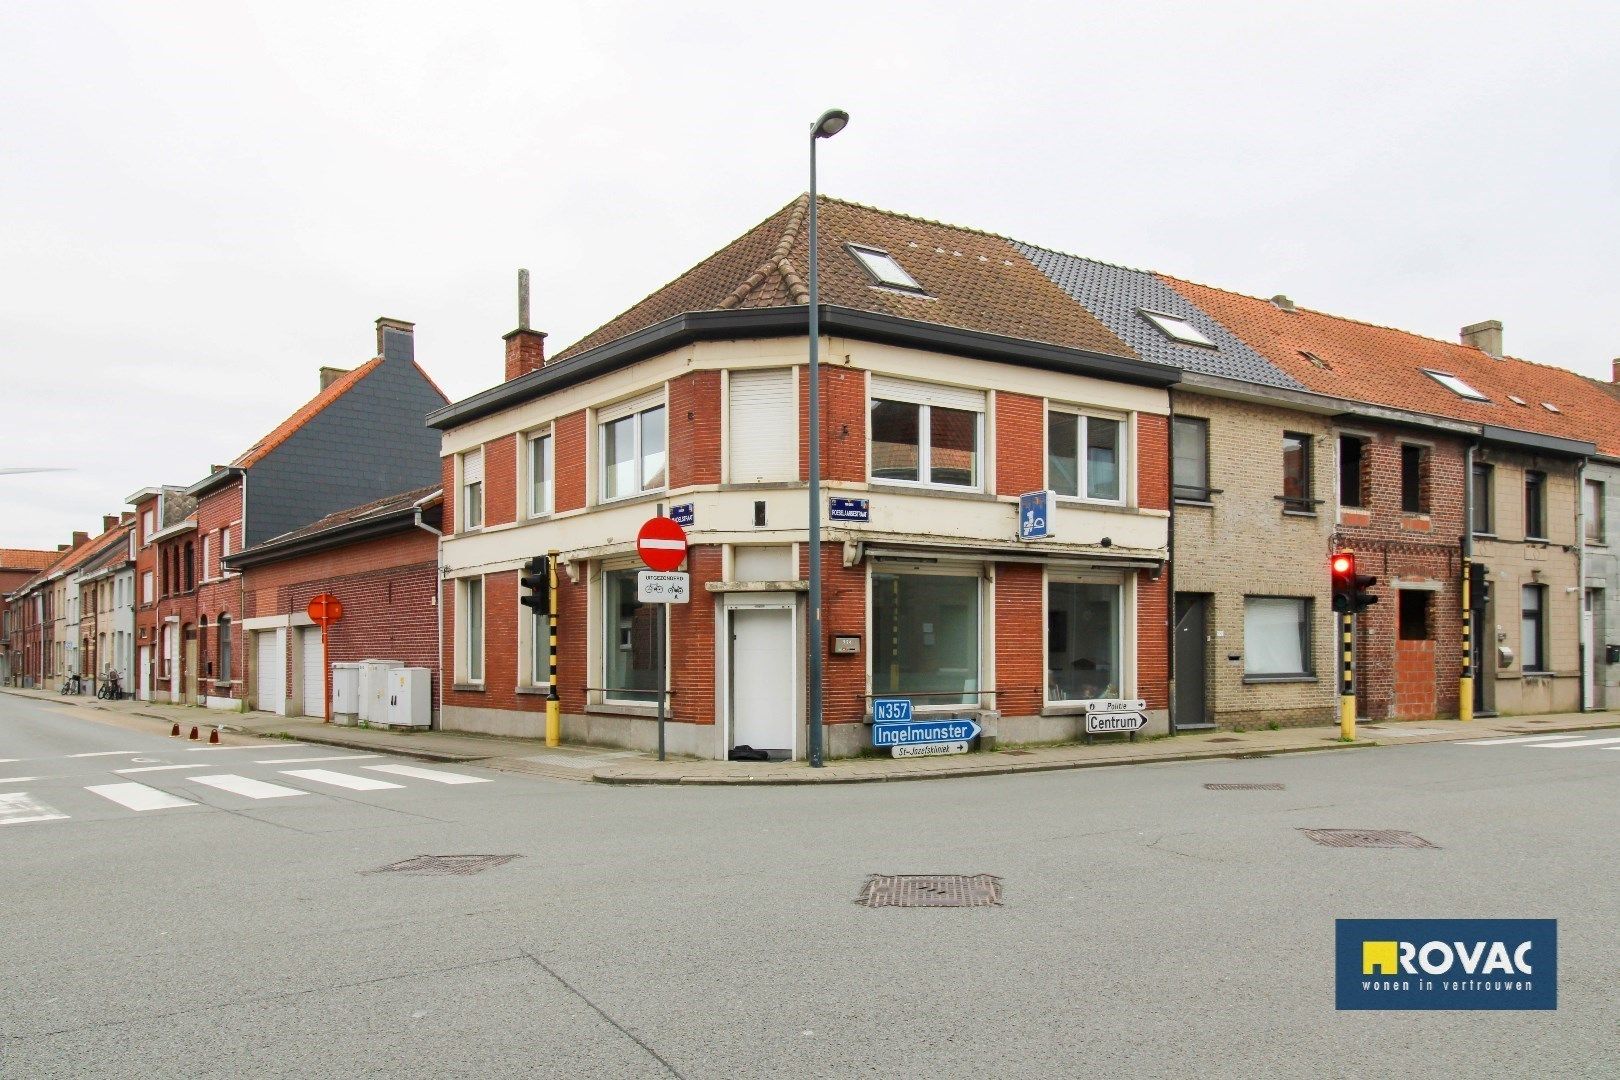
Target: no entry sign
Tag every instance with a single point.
(661, 544)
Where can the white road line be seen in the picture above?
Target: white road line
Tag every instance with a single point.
(1575, 745)
(160, 768)
(301, 760)
(427, 774)
(109, 753)
(1513, 739)
(139, 796)
(220, 746)
(17, 779)
(8, 760)
(19, 807)
(337, 779)
(242, 785)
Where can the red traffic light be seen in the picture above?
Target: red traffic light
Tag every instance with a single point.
(1343, 564)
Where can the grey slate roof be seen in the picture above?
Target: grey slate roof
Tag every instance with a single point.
(1115, 295)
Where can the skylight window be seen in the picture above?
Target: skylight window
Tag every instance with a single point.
(1455, 385)
(1517, 400)
(1550, 407)
(1316, 361)
(884, 269)
(1177, 329)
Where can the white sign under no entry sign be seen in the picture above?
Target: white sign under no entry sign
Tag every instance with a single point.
(655, 588)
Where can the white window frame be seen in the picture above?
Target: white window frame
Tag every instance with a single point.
(884, 269)
(606, 417)
(464, 639)
(207, 556)
(1125, 583)
(1177, 328)
(1455, 383)
(465, 485)
(926, 396)
(1307, 641)
(1597, 513)
(986, 644)
(148, 521)
(1082, 466)
(604, 646)
(544, 434)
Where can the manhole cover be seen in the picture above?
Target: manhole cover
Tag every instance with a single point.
(1244, 787)
(445, 864)
(930, 890)
(1381, 838)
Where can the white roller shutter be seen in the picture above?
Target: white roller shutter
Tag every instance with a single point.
(762, 432)
(271, 674)
(314, 673)
(949, 397)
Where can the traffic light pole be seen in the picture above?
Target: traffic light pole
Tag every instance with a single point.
(1347, 682)
(553, 704)
(1465, 685)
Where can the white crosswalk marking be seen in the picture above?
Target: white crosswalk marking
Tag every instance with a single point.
(19, 806)
(427, 774)
(1514, 739)
(246, 786)
(159, 768)
(139, 796)
(337, 779)
(302, 760)
(1574, 745)
(17, 779)
(108, 753)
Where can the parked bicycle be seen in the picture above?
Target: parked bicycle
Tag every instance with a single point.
(110, 689)
(73, 684)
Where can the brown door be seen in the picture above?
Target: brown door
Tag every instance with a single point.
(190, 675)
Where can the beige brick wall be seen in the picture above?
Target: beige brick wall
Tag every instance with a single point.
(1512, 563)
(1243, 544)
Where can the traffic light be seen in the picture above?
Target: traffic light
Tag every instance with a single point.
(1352, 592)
(1343, 568)
(534, 585)
(1479, 589)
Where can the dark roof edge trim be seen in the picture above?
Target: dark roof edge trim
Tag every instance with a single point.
(789, 322)
(1529, 440)
(348, 532)
(213, 480)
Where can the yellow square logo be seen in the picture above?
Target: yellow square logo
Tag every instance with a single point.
(1379, 955)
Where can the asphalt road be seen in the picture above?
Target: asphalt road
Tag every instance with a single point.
(1150, 927)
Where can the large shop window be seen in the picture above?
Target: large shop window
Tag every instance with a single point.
(631, 641)
(1083, 641)
(925, 637)
(925, 434)
(1276, 636)
(1091, 473)
(633, 447)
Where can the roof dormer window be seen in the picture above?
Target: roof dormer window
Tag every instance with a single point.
(1177, 329)
(883, 268)
(1455, 385)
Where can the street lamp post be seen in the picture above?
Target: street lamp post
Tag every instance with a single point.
(829, 124)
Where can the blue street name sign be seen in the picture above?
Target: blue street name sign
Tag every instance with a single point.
(955, 730)
(683, 515)
(1035, 515)
(849, 510)
(891, 710)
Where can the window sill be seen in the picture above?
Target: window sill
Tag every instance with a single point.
(1260, 680)
(536, 691)
(634, 496)
(467, 688)
(1195, 502)
(896, 487)
(1075, 502)
(611, 708)
(1299, 513)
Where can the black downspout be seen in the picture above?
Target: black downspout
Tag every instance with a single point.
(1170, 566)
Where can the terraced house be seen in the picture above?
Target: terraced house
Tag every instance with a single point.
(957, 377)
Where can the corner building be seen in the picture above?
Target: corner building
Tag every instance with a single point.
(956, 377)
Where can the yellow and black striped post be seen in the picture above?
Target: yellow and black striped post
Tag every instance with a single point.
(1347, 678)
(1465, 685)
(553, 705)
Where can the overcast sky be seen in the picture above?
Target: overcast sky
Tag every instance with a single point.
(202, 203)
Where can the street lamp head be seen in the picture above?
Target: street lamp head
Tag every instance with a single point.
(831, 123)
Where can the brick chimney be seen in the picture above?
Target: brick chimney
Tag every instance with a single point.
(109, 522)
(1283, 303)
(80, 538)
(525, 348)
(330, 375)
(1614, 370)
(1485, 336)
(396, 340)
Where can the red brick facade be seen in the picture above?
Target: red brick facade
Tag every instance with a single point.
(694, 429)
(843, 424)
(1020, 439)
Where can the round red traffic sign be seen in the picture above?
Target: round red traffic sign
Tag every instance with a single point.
(661, 544)
(325, 609)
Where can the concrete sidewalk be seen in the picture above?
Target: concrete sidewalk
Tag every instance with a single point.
(607, 765)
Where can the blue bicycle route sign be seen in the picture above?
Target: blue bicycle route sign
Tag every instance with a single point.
(1035, 515)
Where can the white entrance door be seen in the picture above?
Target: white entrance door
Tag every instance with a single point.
(143, 674)
(270, 677)
(764, 698)
(314, 676)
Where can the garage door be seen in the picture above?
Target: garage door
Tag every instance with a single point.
(271, 673)
(314, 676)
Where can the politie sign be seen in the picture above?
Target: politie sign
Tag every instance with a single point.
(1446, 964)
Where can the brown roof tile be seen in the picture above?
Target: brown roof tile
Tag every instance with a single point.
(973, 280)
(286, 429)
(26, 558)
(1384, 366)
